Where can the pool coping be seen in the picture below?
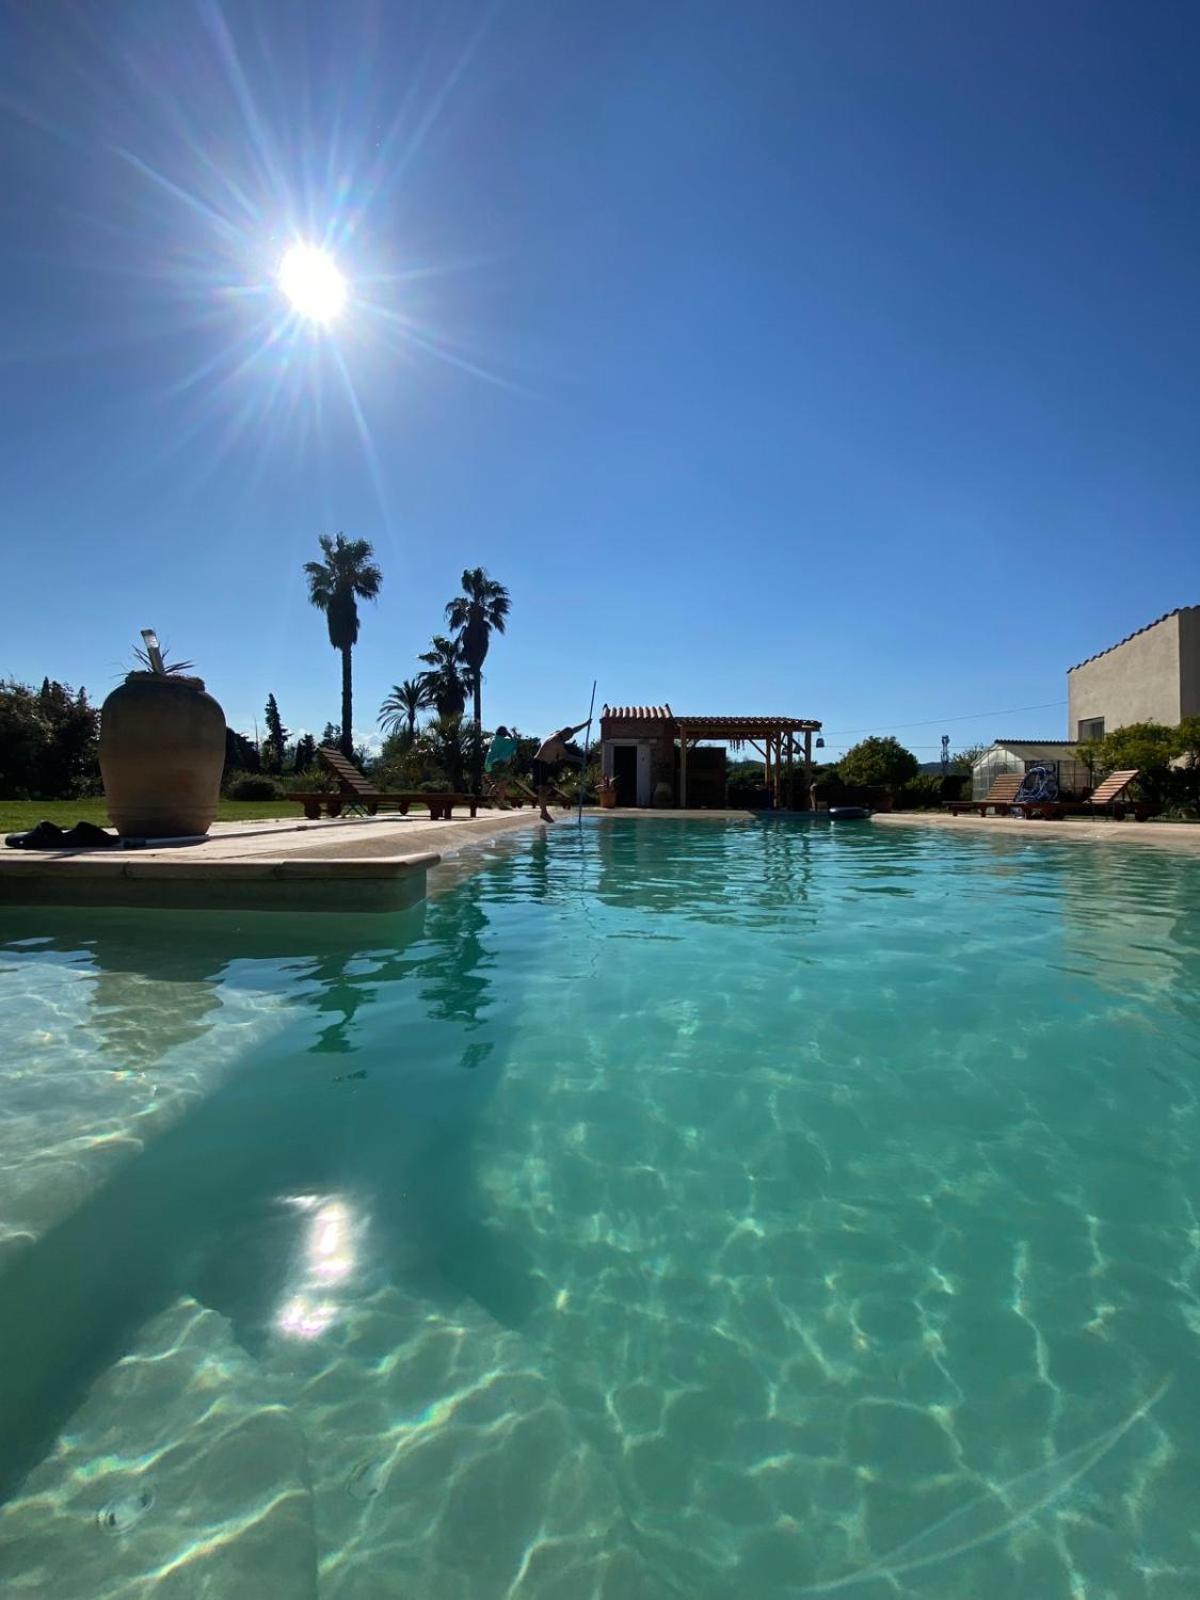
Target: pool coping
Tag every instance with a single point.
(1182, 838)
(366, 864)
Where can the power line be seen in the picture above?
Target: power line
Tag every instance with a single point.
(930, 722)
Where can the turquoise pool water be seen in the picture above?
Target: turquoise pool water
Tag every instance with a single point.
(667, 1208)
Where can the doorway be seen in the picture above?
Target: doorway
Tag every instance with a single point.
(625, 773)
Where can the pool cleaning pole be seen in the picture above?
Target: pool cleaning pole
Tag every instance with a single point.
(587, 745)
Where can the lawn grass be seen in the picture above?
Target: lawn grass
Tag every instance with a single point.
(18, 814)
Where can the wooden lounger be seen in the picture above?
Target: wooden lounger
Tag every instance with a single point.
(1002, 793)
(1110, 796)
(356, 792)
(1003, 796)
(441, 805)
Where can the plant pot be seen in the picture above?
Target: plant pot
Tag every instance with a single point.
(608, 798)
(162, 752)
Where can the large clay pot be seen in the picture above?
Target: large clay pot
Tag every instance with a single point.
(162, 752)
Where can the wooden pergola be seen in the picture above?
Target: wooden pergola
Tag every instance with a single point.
(776, 740)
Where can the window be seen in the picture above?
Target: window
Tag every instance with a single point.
(1091, 728)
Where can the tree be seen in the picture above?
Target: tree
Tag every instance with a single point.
(1148, 746)
(478, 612)
(963, 761)
(347, 574)
(306, 753)
(879, 763)
(400, 709)
(449, 746)
(241, 754)
(444, 683)
(48, 741)
(1187, 741)
(276, 740)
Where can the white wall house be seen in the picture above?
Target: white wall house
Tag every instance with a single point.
(1151, 676)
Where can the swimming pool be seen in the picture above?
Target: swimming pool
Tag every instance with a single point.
(668, 1208)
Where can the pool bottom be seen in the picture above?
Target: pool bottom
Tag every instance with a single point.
(801, 1208)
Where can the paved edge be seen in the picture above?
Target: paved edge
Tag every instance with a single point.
(1182, 838)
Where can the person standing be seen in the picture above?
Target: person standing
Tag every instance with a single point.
(550, 755)
(498, 762)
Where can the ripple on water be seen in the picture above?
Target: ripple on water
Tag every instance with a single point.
(823, 1208)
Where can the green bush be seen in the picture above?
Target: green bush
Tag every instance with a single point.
(47, 741)
(922, 793)
(1148, 746)
(252, 786)
(310, 780)
(879, 763)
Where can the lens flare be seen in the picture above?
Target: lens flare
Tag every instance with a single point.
(311, 281)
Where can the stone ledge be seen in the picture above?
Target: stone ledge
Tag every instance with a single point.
(259, 883)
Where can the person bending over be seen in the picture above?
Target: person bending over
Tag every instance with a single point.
(552, 754)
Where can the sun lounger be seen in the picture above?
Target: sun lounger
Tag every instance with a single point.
(1111, 796)
(356, 792)
(1003, 796)
(1002, 793)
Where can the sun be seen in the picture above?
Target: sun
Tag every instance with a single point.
(311, 280)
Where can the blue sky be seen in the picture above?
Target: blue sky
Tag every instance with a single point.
(830, 359)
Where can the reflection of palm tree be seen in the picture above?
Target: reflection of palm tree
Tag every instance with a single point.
(444, 683)
(457, 981)
(347, 574)
(402, 706)
(475, 615)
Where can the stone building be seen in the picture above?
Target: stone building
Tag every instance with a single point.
(1151, 676)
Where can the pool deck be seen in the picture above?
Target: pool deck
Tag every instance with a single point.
(1180, 836)
(343, 864)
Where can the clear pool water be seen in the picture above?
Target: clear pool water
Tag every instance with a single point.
(668, 1208)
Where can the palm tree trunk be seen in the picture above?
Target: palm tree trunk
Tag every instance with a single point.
(412, 726)
(347, 739)
(477, 754)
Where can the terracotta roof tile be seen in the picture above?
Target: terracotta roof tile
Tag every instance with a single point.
(639, 713)
(712, 724)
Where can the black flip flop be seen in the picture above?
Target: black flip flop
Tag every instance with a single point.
(45, 836)
(86, 835)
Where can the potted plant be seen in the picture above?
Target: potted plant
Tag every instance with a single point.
(162, 750)
(607, 790)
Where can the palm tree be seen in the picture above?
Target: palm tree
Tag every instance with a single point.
(475, 614)
(450, 746)
(347, 574)
(402, 706)
(444, 683)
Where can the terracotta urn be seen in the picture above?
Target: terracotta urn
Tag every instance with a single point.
(162, 752)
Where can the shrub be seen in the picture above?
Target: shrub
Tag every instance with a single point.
(312, 780)
(47, 741)
(252, 786)
(1148, 746)
(879, 763)
(922, 793)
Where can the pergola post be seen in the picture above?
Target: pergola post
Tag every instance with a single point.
(808, 764)
(682, 767)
